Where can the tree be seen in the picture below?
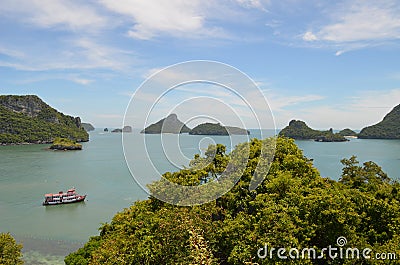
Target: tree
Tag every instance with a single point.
(10, 251)
(294, 207)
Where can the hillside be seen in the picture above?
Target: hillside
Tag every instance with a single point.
(170, 124)
(217, 129)
(27, 119)
(299, 130)
(388, 128)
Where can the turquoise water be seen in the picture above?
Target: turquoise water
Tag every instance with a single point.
(48, 233)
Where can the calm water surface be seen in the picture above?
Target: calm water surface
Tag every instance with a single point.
(49, 233)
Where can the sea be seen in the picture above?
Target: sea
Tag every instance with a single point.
(100, 170)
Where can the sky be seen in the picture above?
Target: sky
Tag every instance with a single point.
(329, 63)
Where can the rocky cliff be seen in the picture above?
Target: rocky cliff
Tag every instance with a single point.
(27, 119)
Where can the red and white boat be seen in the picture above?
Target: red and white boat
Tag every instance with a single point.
(63, 197)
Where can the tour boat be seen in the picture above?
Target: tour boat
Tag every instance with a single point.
(62, 198)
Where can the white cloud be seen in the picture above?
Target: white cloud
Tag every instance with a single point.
(360, 110)
(150, 18)
(357, 24)
(49, 13)
(279, 102)
(309, 36)
(259, 4)
(78, 54)
(82, 81)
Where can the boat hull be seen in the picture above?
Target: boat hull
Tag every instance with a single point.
(78, 199)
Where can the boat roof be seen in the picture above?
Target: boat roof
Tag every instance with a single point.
(60, 193)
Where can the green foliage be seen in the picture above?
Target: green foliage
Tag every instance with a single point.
(10, 251)
(65, 144)
(216, 129)
(27, 119)
(388, 128)
(293, 207)
(299, 130)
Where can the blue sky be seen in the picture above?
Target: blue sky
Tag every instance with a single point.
(330, 63)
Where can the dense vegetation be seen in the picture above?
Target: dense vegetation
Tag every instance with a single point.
(170, 124)
(216, 129)
(299, 130)
(10, 251)
(27, 119)
(65, 144)
(293, 207)
(347, 132)
(388, 128)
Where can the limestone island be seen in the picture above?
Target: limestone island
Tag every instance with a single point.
(217, 129)
(29, 120)
(348, 133)
(170, 124)
(87, 126)
(126, 129)
(300, 131)
(388, 128)
(65, 144)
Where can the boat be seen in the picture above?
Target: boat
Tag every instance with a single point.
(63, 197)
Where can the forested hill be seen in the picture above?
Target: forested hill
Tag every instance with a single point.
(170, 124)
(299, 130)
(388, 128)
(294, 207)
(27, 119)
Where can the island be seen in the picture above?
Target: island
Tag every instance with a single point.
(126, 129)
(299, 130)
(170, 124)
(27, 119)
(217, 129)
(87, 126)
(388, 128)
(348, 133)
(65, 144)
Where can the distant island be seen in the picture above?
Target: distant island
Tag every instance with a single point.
(126, 129)
(65, 144)
(348, 132)
(170, 124)
(217, 129)
(27, 119)
(87, 126)
(299, 130)
(388, 128)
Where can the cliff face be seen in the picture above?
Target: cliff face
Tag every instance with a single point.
(27, 119)
(30, 105)
(388, 128)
